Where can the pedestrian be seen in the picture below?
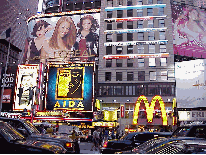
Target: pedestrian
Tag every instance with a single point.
(75, 139)
(100, 137)
(118, 132)
(106, 135)
(113, 137)
(95, 140)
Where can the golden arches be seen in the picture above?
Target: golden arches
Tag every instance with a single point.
(150, 108)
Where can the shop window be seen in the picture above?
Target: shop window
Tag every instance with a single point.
(109, 37)
(152, 76)
(109, 26)
(141, 75)
(140, 36)
(162, 35)
(130, 24)
(119, 62)
(129, 13)
(129, 62)
(163, 61)
(119, 13)
(140, 24)
(119, 37)
(150, 24)
(151, 48)
(119, 49)
(151, 36)
(140, 49)
(130, 76)
(119, 25)
(149, 11)
(129, 36)
(141, 62)
(130, 49)
(152, 62)
(109, 63)
(164, 75)
(108, 50)
(118, 76)
(161, 23)
(108, 76)
(109, 14)
(163, 49)
(139, 12)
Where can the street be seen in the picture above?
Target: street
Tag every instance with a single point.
(85, 148)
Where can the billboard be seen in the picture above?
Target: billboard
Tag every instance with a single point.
(62, 38)
(70, 87)
(189, 29)
(190, 83)
(26, 78)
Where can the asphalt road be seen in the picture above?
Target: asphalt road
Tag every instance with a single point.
(85, 148)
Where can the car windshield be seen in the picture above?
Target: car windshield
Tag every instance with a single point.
(181, 131)
(9, 133)
(127, 136)
(31, 127)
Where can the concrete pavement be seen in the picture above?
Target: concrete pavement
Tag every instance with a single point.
(85, 148)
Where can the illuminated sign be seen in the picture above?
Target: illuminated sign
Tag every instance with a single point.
(47, 41)
(104, 124)
(122, 110)
(134, 30)
(26, 77)
(128, 43)
(135, 7)
(150, 109)
(132, 18)
(132, 56)
(110, 115)
(70, 87)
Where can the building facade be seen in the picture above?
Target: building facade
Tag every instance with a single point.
(129, 73)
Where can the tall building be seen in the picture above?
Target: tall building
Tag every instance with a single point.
(136, 61)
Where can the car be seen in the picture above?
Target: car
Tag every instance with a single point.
(129, 141)
(12, 142)
(28, 130)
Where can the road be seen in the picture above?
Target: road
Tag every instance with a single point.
(85, 148)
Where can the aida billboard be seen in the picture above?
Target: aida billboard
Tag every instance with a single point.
(70, 87)
(190, 83)
(189, 31)
(26, 78)
(66, 37)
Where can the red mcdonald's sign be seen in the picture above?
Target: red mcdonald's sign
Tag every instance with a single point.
(122, 110)
(150, 109)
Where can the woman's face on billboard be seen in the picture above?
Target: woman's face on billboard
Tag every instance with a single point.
(86, 24)
(63, 29)
(41, 31)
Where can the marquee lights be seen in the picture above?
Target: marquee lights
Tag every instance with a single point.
(128, 43)
(133, 30)
(132, 18)
(133, 56)
(63, 13)
(150, 109)
(135, 7)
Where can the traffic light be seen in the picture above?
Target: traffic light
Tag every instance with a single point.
(20, 94)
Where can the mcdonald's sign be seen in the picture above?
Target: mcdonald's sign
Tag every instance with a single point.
(150, 109)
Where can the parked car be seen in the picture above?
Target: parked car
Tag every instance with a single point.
(12, 142)
(29, 131)
(129, 141)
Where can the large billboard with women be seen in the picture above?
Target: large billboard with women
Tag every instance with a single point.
(62, 38)
(189, 31)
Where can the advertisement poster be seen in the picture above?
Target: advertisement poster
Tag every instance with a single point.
(74, 37)
(70, 87)
(189, 31)
(26, 78)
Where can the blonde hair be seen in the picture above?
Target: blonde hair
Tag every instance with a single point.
(69, 39)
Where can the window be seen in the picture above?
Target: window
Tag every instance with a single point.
(150, 2)
(109, 63)
(140, 24)
(139, 2)
(151, 89)
(159, 1)
(108, 50)
(163, 61)
(108, 76)
(140, 36)
(97, 4)
(88, 5)
(118, 90)
(120, 2)
(119, 49)
(130, 24)
(150, 24)
(129, 107)
(164, 75)
(129, 13)
(130, 90)
(119, 37)
(141, 75)
(163, 49)
(129, 62)
(130, 49)
(139, 12)
(109, 26)
(129, 36)
(151, 48)
(161, 11)
(151, 36)
(118, 76)
(129, 76)
(152, 62)
(149, 11)
(109, 14)
(162, 35)
(140, 49)
(78, 6)
(129, 3)
(152, 76)
(161, 23)
(119, 25)
(109, 3)
(119, 62)
(119, 13)
(109, 37)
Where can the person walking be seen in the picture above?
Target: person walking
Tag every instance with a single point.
(95, 140)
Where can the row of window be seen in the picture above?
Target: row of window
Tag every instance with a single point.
(135, 13)
(152, 62)
(163, 89)
(130, 2)
(130, 24)
(140, 49)
(141, 76)
(140, 36)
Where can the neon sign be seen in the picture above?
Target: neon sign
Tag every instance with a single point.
(150, 109)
